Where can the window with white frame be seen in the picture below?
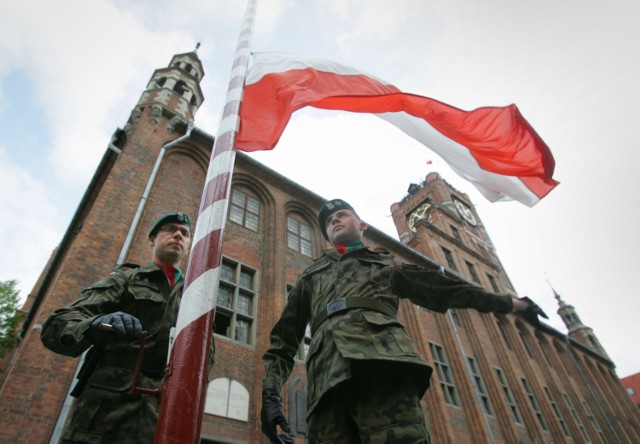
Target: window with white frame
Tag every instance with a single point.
(509, 396)
(444, 375)
(534, 404)
(244, 209)
(557, 411)
(576, 417)
(593, 420)
(299, 235)
(481, 388)
(236, 302)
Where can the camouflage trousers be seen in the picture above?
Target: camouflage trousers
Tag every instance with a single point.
(108, 416)
(378, 405)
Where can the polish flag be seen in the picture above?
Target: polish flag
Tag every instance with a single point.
(494, 148)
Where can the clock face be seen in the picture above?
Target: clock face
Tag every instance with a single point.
(465, 212)
(420, 213)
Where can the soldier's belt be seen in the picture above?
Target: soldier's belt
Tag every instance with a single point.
(348, 303)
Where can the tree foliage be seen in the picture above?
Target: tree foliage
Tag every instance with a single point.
(10, 317)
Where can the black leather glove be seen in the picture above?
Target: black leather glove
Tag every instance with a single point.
(124, 327)
(532, 312)
(273, 415)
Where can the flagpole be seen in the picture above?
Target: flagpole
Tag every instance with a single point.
(184, 392)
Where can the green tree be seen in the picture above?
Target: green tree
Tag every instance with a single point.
(10, 317)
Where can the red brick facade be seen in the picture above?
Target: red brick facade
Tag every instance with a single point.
(576, 394)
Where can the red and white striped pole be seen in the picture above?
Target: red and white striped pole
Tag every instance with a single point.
(186, 381)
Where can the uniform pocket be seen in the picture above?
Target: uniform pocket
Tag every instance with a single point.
(387, 335)
(379, 272)
(146, 291)
(113, 379)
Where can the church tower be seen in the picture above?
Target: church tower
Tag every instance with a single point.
(440, 222)
(155, 165)
(577, 330)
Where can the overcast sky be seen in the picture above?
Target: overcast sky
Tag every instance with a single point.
(72, 70)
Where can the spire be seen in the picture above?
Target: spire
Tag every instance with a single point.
(556, 295)
(577, 330)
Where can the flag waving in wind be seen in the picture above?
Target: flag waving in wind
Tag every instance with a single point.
(494, 148)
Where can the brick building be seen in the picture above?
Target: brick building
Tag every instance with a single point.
(632, 384)
(496, 379)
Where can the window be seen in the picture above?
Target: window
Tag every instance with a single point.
(557, 411)
(480, 387)
(576, 417)
(503, 332)
(298, 236)
(593, 420)
(236, 302)
(444, 375)
(454, 318)
(545, 348)
(509, 396)
(564, 357)
(472, 272)
(456, 233)
(449, 258)
(535, 405)
(180, 87)
(525, 340)
(494, 283)
(244, 210)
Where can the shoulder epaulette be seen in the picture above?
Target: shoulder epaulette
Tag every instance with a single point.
(123, 267)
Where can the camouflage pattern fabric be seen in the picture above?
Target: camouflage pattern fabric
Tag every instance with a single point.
(105, 411)
(361, 334)
(373, 407)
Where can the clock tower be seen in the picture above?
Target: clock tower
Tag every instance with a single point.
(441, 223)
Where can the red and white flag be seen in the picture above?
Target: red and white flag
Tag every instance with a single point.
(494, 148)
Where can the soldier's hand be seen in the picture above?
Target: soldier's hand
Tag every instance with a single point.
(532, 312)
(272, 415)
(112, 327)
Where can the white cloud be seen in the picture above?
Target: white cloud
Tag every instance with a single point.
(83, 70)
(27, 232)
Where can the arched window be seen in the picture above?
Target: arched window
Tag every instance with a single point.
(544, 346)
(564, 357)
(299, 234)
(244, 209)
(227, 398)
(503, 331)
(180, 87)
(524, 336)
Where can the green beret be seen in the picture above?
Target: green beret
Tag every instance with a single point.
(327, 209)
(179, 218)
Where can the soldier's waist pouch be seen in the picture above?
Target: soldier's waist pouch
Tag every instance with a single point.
(152, 366)
(348, 303)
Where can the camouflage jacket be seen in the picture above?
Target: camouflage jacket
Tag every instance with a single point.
(361, 334)
(143, 292)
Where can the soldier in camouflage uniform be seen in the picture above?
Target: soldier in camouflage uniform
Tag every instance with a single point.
(365, 376)
(110, 316)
